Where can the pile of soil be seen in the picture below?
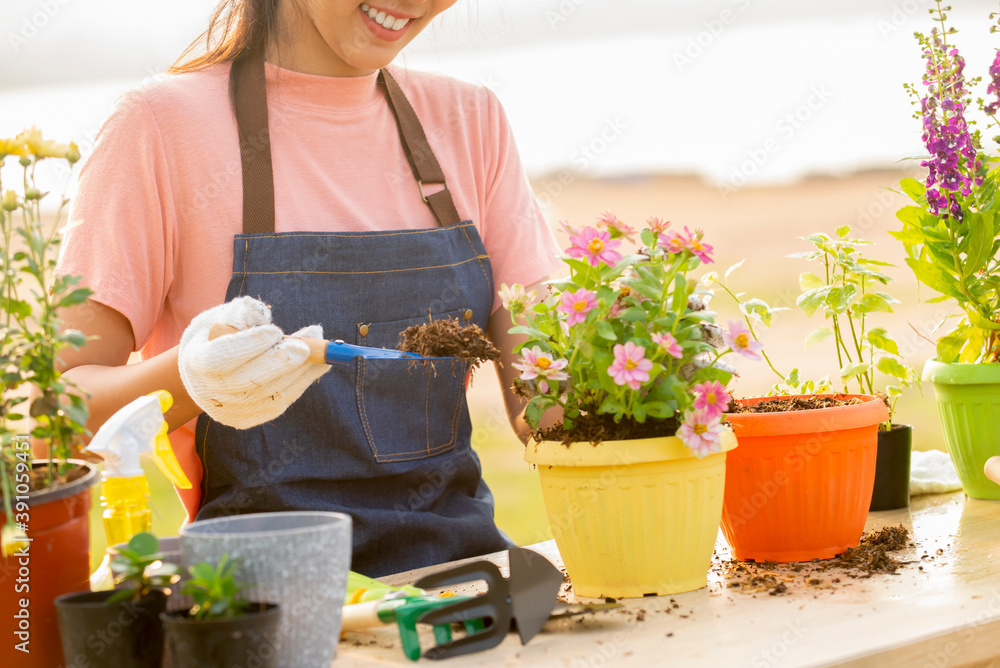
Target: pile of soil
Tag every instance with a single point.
(804, 403)
(447, 338)
(861, 562)
(596, 428)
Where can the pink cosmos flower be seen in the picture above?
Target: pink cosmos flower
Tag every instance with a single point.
(657, 226)
(711, 396)
(669, 344)
(577, 304)
(615, 227)
(673, 242)
(701, 430)
(537, 364)
(699, 248)
(595, 246)
(630, 366)
(738, 338)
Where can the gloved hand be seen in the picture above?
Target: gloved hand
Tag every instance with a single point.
(248, 377)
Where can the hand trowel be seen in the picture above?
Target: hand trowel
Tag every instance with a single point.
(335, 352)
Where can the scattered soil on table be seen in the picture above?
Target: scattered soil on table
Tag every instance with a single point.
(597, 428)
(861, 562)
(805, 403)
(445, 337)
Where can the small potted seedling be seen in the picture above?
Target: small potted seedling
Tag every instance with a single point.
(222, 629)
(120, 627)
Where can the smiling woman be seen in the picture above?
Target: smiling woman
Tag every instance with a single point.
(340, 38)
(247, 189)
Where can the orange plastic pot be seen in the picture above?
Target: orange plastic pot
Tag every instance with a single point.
(57, 562)
(799, 486)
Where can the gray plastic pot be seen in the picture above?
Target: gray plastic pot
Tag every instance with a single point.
(298, 560)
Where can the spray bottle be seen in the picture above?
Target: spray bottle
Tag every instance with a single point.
(136, 429)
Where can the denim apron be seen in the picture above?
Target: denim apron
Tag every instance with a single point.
(383, 441)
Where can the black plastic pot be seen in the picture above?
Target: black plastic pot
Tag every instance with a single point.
(892, 468)
(250, 640)
(127, 634)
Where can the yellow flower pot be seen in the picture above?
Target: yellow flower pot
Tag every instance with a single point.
(632, 518)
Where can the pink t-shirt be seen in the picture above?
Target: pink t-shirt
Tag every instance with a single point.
(160, 199)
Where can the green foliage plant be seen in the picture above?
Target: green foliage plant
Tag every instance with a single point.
(847, 292)
(951, 232)
(215, 590)
(141, 565)
(31, 332)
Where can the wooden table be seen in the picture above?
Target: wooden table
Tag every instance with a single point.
(940, 609)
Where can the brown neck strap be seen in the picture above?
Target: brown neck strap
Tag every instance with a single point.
(247, 91)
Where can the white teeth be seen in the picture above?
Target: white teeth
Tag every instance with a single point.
(383, 19)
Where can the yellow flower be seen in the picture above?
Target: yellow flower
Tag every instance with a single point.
(12, 147)
(42, 148)
(9, 200)
(11, 540)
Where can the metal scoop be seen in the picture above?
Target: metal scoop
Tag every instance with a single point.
(333, 352)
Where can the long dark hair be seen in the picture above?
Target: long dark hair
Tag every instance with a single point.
(235, 26)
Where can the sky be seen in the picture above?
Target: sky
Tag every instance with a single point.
(737, 92)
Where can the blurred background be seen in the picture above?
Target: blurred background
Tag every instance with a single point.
(758, 121)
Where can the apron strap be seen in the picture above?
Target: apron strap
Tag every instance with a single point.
(247, 91)
(425, 166)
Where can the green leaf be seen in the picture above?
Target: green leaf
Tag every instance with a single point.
(610, 405)
(810, 281)
(853, 369)
(913, 188)
(761, 309)
(659, 410)
(949, 347)
(871, 303)
(680, 300)
(144, 544)
(980, 237)
(818, 336)
(530, 331)
(812, 300)
(980, 321)
(881, 340)
(890, 366)
(633, 314)
(838, 299)
(606, 331)
(934, 277)
(203, 571)
(806, 255)
(843, 231)
(638, 412)
(648, 239)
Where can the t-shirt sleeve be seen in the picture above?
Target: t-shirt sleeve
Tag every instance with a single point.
(520, 242)
(122, 219)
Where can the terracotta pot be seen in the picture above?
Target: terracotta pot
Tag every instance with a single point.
(632, 518)
(799, 486)
(58, 562)
(892, 468)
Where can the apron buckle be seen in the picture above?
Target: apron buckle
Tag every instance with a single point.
(420, 187)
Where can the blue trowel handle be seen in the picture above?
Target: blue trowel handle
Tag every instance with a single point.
(338, 352)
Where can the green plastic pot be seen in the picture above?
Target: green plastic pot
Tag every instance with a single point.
(968, 399)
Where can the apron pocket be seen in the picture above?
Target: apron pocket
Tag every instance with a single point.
(408, 410)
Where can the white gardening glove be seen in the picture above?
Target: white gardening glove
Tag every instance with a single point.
(248, 377)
